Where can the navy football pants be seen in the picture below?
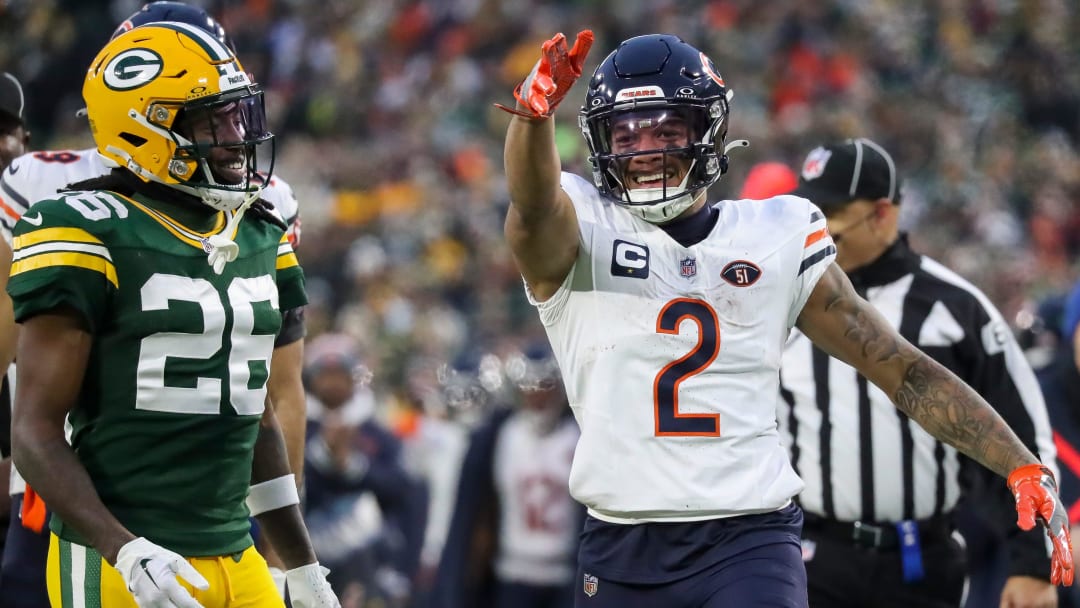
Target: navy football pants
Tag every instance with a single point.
(767, 576)
(22, 573)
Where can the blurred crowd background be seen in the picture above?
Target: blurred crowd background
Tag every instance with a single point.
(387, 133)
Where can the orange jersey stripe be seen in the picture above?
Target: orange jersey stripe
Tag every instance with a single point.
(6, 209)
(814, 237)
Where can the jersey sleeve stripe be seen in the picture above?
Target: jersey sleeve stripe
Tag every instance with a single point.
(29, 252)
(14, 201)
(284, 249)
(8, 216)
(74, 235)
(823, 254)
(814, 237)
(12, 206)
(287, 261)
(64, 258)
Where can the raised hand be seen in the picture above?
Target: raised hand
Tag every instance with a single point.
(552, 77)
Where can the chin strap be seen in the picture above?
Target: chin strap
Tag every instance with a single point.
(221, 248)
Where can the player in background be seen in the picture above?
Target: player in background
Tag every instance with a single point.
(365, 511)
(40, 175)
(149, 309)
(14, 139)
(668, 316)
(14, 136)
(513, 534)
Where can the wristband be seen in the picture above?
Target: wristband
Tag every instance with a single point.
(272, 494)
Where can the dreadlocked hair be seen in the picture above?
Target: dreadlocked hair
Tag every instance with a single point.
(126, 183)
(116, 181)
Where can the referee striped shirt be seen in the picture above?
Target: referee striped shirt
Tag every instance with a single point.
(863, 459)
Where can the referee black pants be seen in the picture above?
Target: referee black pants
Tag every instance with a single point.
(842, 574)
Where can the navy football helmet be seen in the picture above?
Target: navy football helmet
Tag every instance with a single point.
(646, 83)
(165, 10)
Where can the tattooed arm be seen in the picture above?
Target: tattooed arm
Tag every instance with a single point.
(847, 327)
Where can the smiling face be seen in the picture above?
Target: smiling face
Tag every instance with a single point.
(224, 129)
(646, 135)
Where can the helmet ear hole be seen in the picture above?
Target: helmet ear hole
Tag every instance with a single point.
(133, 139)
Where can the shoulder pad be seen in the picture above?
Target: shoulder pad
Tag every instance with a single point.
(93, 212)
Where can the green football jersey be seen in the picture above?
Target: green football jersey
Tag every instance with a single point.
(170, 404)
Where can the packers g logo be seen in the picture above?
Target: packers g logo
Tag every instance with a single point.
(132, 69)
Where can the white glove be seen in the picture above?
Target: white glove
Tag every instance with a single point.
(308, 587)
(150, 573)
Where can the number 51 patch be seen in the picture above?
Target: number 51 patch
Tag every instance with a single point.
(741, 273)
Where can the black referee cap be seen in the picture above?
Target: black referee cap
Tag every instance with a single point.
(835, 174)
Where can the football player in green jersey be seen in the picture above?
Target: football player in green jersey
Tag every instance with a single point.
(149, 312)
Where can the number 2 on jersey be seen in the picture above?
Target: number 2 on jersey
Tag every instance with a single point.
(669, 422)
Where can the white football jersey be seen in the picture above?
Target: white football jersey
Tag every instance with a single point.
(39, 175)
(538, 523)
(671, 356)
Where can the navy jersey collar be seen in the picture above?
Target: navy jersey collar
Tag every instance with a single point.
(693, 229)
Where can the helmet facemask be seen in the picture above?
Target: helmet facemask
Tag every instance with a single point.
(217, 148)
(675, 144)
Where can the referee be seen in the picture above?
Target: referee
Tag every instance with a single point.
(880, 492)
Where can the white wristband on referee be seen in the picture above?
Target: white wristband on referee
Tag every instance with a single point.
(272, 494)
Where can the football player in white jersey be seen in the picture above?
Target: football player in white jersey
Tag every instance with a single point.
(668, 315)
(40, 175)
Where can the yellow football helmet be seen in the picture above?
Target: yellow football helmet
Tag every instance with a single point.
(172, 104)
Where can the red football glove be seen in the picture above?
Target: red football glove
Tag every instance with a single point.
(1037, 495)
(551, 78)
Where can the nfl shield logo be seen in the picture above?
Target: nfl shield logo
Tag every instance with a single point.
(809, 547)
(688, 267)
(815, 163)
(206, 246)
(591, 583)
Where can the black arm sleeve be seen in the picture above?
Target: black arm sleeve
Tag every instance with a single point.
(292, 327)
